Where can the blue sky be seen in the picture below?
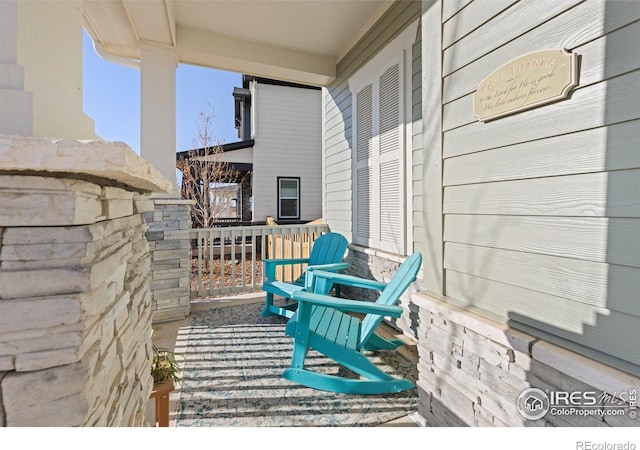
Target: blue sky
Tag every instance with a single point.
(111, 97)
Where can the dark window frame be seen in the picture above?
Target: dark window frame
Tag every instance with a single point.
(299, 204)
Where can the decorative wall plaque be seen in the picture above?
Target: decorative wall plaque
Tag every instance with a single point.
(529, 81)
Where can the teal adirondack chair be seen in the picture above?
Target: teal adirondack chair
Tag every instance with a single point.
(327, 254)
(322, 323)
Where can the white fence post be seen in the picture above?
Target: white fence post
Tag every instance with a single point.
(223, 242)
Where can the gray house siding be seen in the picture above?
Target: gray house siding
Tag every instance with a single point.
(338, 134)
(530, 221)
(541, 209)
(529, 225)
(338, 150)
(417, 232)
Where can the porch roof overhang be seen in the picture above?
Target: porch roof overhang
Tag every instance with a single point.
(239, 155)
(297, 41)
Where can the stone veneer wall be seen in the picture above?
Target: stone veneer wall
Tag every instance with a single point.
(75, 304)
(170, 248)
(472, 370)
(370, 264)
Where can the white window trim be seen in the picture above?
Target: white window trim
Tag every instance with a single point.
(400, 49)
(253, 87)
(280, 198)
(401, 43)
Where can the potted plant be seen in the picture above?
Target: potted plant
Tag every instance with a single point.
(164, 370)
(164, 366)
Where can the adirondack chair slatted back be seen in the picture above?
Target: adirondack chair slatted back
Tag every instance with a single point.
(327, 249)
(405, 275)
(327, 253)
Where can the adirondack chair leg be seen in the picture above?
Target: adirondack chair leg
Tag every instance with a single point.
(322, 286)
(360, 364)
(332, 383)
(267, 311)
(299, 355)
(377, 342)
(272, 310)
(300, 347)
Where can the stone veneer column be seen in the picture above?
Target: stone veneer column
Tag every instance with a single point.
(75, 304)
(170, 247)
(473, 369)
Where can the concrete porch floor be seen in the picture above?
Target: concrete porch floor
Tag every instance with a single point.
(165, 335)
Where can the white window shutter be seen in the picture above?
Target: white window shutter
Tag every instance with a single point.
(364, 181)
(391, 210)
(364, 154)
(364, 124)
(390, 110)
(391, 200)
(379, 184)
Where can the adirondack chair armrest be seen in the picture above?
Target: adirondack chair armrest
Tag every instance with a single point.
(309, 280)
(347, 280)
(270, 265)
(329, 267)
(345, 305)
(283, 261)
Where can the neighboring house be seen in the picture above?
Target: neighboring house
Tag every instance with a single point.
(279, 126)
(230, 179)
(529, 225)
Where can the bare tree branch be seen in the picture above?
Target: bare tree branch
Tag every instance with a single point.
(207, 180)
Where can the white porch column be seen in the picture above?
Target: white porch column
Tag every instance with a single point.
(16, 105)
(158, 108)
(169, 222)
(432, 209)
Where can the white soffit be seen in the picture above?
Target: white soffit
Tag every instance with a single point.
(108, 24)
(299, 40)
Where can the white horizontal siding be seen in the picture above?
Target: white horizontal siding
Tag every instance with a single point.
(579, 25)
(471, 18)
(451, 7)
(585, 238)
(604, 194)
(511, 24)
(581, 281)
(287, 144)
(593, 150)
(600, 104)
(542, 208)
(618, 48)
(608, 332)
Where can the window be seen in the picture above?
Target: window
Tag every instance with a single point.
(288, 197)
(381, 95)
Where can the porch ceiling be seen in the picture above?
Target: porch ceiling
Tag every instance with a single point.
(299, 41)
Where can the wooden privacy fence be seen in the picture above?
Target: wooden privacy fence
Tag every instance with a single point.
(291, 245)
(229, 260)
